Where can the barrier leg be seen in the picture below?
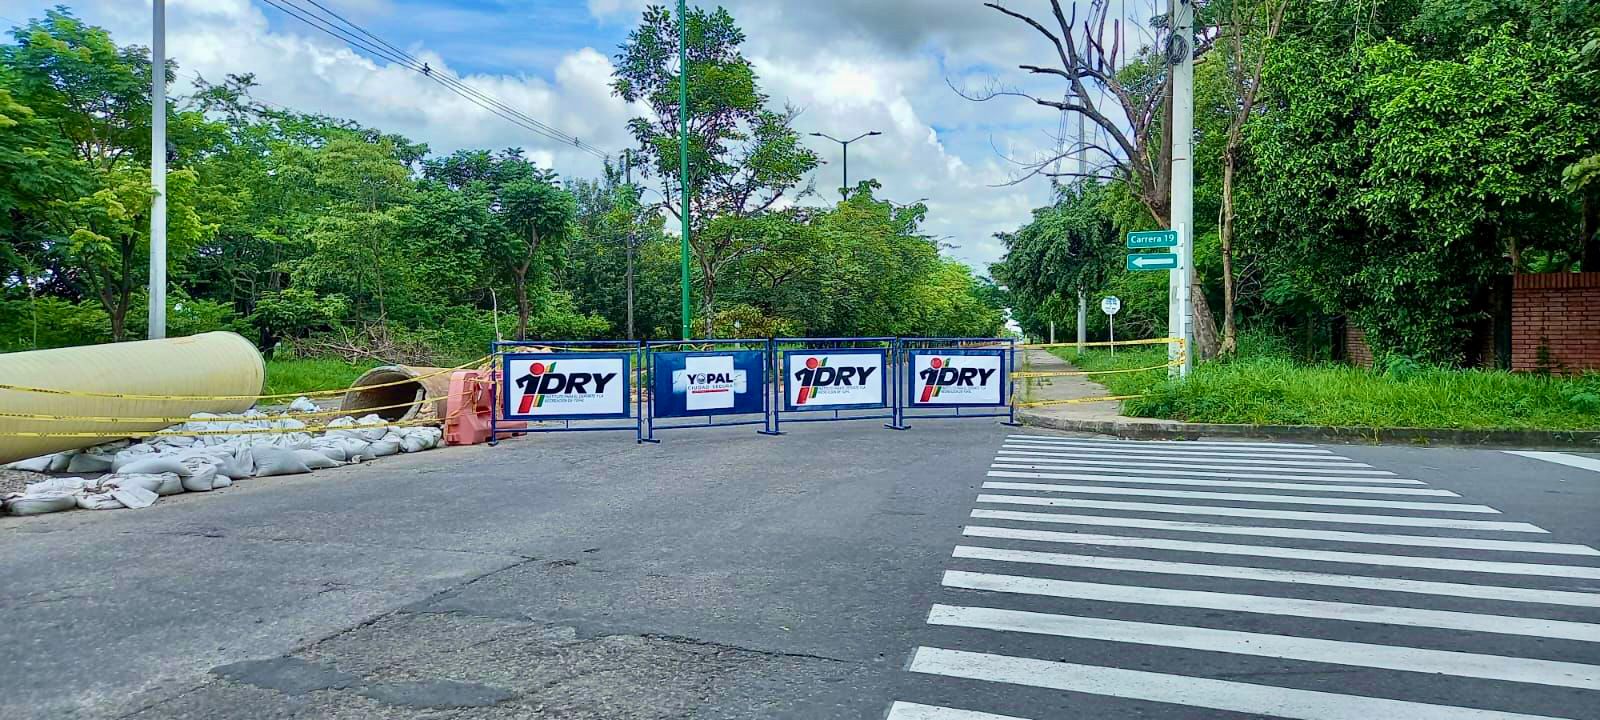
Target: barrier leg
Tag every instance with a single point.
(897, 412)
(769, 398)
(494, 395)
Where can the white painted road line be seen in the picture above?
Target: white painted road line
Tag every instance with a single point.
(1297, 577)
(1576, 461)
(1194, 692)
(1167, 458)
(1410, 561)
(1267, 605)
(1293, 533)
(1261, 484)
(1276, 475)
(1190, 454)
(1226, 496)
(1287, 647)
(913, 711)
(1157, 461)
(1394, 520)
(1170, 443)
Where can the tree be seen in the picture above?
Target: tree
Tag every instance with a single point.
(1142, 90)
(743, 157)
(538, 216)
(1250, 28)
(1068, 247)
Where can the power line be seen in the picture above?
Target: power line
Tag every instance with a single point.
(387, 51)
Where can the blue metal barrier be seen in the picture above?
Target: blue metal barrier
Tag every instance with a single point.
(834, 375)
(709, 379)
(572, 380)
(961, 374)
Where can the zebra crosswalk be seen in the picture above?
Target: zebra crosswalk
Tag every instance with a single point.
(1108, 579)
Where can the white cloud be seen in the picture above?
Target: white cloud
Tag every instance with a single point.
(851, 66)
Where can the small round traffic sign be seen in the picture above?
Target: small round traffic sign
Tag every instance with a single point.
(1111, 305)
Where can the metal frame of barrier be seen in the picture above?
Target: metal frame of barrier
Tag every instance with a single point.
(886, 349)
(651, 351)
(1008, 365)
(633, 408)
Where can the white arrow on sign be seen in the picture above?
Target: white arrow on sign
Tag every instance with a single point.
(1141, 261)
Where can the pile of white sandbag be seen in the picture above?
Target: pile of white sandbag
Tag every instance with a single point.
(254, 444)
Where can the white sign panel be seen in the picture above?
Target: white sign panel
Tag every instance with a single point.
(708, 383)
(825, 379)
(566, 386)
(1111, 305)
(956, 379)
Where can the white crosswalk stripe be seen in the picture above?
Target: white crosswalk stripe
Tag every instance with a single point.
(1397, 520)
(1093, 587)
(1202, 482)
(1228, 496)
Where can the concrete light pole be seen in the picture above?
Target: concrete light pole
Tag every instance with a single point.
(846, 145)
(158, 172)
(683, 156)
(1180, 55)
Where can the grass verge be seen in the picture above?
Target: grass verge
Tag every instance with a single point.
(309, 375)
(1264, 389)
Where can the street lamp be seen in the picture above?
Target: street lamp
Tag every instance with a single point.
(846, 145)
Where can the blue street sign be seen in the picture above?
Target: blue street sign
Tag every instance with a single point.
(1153, 239)
(1152, 261)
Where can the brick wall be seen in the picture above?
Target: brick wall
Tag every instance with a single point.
(1356, 349)
(1561, 312)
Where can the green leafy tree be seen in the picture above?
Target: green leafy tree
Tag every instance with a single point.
(743, 157)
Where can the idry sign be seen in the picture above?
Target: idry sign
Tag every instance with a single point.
(957, 377)
(834, 378)
(554, 386)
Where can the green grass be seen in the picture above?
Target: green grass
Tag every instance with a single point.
(1266, 389)
(298, 376)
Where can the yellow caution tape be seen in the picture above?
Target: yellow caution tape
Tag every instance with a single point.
(1118, 343)
(219, 418)
(1074, 373)
(193, 433)
(1076, 401)
(314, 393)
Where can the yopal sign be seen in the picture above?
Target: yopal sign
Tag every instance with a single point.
(707, 383)
(957, 377)
(566, 386)
(834, 379)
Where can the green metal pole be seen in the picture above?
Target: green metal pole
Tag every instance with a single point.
(683, 152)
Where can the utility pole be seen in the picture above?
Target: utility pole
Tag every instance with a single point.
(683, 156)
(632, 239)
(1083, 293)
(158, 171)
(1180, 55)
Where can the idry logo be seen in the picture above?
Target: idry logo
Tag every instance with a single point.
(942, 376)
(818, 378)
(543, 382)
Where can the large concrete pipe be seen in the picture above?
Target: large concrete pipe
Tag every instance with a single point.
(401, 384)
(212, 364)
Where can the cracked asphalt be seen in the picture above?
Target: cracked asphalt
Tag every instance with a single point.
(721, 574)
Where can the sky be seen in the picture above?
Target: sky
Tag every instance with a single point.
(850, 66)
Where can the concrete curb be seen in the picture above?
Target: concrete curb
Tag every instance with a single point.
(1580, 440)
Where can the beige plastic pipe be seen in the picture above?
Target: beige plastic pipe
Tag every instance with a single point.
(218, 363)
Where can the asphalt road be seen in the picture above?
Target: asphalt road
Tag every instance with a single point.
(724, 574)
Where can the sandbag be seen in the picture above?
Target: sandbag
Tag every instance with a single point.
(99, 501)
(384, 448)
(155, 466)
(239, 464)
(372, 434)
(53, 485)
(171, 484)
(88, 462)
(329, 447)
(354, 448)
(276, 461)
(202, 477)
(221, 482)
(54, 501)
(39, 464)
(302, 404)
(315, 460)
(131, 454)
(59, 461)
(149, 483)
(134, 497)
